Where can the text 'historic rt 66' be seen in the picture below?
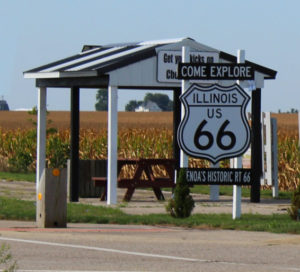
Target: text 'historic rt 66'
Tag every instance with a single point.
(219, 176)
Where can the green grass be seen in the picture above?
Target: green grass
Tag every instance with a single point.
(13, 209)
(227, 191)
(246, 191)
(17, 176)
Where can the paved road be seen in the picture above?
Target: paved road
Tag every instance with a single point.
(84, 247)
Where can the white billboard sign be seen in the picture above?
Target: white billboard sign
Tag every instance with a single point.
(167, 63)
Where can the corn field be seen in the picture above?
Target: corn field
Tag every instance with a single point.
(18, 149)
(288, 161)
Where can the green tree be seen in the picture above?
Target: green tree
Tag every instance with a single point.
(102, 100)
(294, 210)
(132, 105)
(182, 204)
(162, 100)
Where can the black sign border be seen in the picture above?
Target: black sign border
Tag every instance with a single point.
(209, 77)
(187, 116)
(205, 171)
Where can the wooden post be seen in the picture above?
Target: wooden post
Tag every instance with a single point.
(274, 158)
(256, 146)
(74, 172)
(52, 199)
(263, 149)
(41, 134)
(112, 145)
(268, 154)
(299, 128)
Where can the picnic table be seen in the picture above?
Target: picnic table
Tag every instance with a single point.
(143, 177)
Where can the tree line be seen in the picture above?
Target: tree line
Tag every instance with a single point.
(162, 100)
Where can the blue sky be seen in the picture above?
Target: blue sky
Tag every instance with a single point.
(36, 32)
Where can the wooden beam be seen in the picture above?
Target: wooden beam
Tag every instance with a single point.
(70, 82)
(74, 166)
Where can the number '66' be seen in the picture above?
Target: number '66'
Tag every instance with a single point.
(200, 132)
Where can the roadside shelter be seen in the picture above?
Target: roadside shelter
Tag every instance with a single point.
(150, 65)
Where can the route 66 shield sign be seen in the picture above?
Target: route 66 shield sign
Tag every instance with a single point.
(214, 126)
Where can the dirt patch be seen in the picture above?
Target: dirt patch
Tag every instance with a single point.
(23, 190)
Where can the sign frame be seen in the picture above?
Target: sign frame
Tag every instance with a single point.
(215, 132)
(215, 71)
(219, 176)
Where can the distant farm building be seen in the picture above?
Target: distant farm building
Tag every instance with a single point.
(148, 107)
(3, 105)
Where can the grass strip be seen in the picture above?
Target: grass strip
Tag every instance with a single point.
(246, 191)
(13, 209)
(17, 176)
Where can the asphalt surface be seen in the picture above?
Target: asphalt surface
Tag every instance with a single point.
(93, 247)
(90, 247)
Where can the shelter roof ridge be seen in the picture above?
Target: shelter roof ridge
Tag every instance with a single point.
(150, 42)
(164, 41)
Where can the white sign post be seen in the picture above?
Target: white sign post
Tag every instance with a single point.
(184, 160)
(238, 162)
(237, 192)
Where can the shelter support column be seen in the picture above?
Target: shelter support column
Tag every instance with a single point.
(41, 134)
(112, 145)
(74, 166)
(256, 146)
(176, 122)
